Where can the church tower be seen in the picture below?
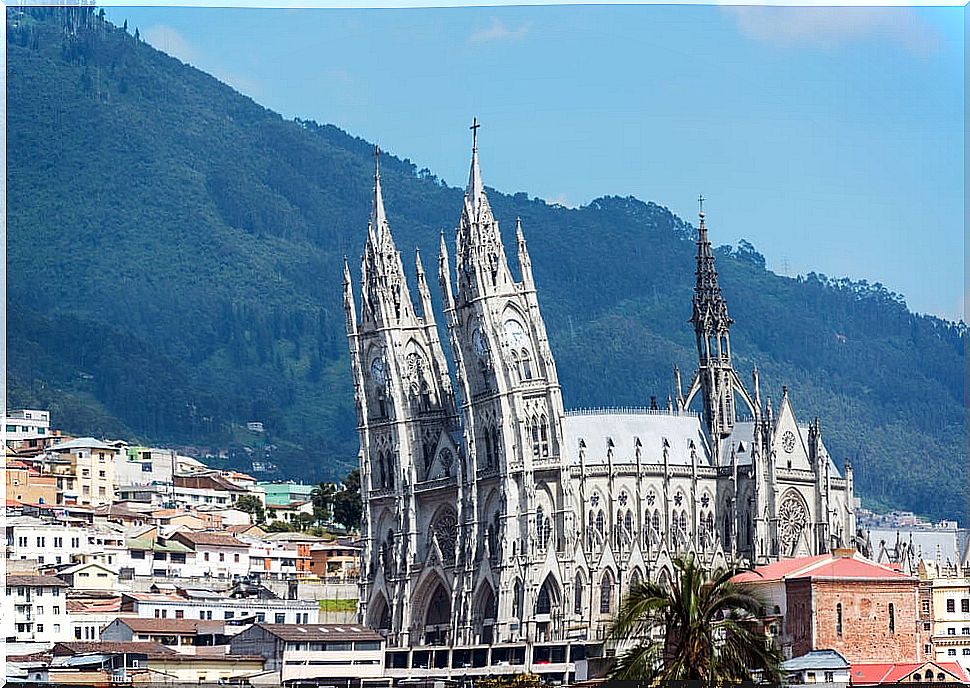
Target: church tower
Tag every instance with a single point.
(519, 514)
(407, 422)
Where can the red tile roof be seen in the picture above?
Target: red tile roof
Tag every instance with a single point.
(875, 674)
(172, 626)
(821, 566)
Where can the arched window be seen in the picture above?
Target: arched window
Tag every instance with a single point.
(606, 593)
(892, 618)
(496, 447)
(534, 427)
(488, 449)
(917, 677)
(578, 596)
(517, 600)
(542, 528)
(655, 521)
(838, 619)
(601, 522)
(635, 580)
(526, 365)
(544, 434)
(683, 523)
(628, 522)
(543, 602)
(515, 366)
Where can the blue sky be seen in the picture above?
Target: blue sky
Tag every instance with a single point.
(830, 138)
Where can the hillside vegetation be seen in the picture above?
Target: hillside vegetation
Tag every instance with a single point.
(174, 270)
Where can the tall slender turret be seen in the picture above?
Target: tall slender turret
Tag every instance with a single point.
(711, 327)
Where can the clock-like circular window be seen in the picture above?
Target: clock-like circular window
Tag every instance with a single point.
(788, 441)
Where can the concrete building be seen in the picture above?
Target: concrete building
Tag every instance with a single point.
(894, 673)
(25, 424)
(336, 561)
(349, 654)
(191, 636)
(93, 468)
(35, 609)
(826, 667)
(27, 485)
(282, 493)
(946, 612)
(215, 607)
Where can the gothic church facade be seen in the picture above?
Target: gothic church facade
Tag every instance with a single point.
(494, 516)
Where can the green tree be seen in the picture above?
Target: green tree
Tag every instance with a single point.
(251, 504)
(323, 498)
(347, 506)
(710, 630)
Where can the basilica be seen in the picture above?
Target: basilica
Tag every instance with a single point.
(501, 529)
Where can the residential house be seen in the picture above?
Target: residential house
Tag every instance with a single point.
(826, 667)
(217, 554)
(90, 576)
(350, 654)
(337, 561)
(210, 606)
(183, 635)
(282, 493)
(35, 609)
(27, 485)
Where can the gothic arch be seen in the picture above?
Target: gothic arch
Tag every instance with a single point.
(380, 613)
(794, 519)
(549, 596)
(636, 577)
(443, 528)
(579, 587)
(606, 602)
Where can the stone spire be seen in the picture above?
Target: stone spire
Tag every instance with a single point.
(386, 297)
(711, 326)
(525, 262)
(710, 308)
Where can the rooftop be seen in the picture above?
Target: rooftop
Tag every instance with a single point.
(172, 626)
(821, 566)
(317, 632)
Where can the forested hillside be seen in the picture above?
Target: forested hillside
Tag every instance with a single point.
(174, 270)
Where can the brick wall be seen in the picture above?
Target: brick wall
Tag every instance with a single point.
(813, 618)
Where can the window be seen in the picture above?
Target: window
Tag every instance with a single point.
(222, 556)
(606, 592)
(578, 599)
(949, 653)
(830, 677)
(965, 605)
(235, 558)
(925, 605)
(179, 613)
(77, 632)
(230, 615)
(966, 630)
(951, 606)
(85, 472)
(57, 628)
(280, 618)
(892, 618)
(57, 610)
(41, 542)
(951, 631)
(58, 542)
(966, 652)
(205, 556)
(260, 617)
(101, 474)
(40, 611)
(40, 629)
(56, 592)
(838, 619)
(75, 542)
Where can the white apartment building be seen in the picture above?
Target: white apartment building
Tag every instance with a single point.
(217, 554)
(35, 609)
(47, 543)
(276, 560)
(208, 606)
(345, 655)
(176, 496)
(25, 424)
(144, 465)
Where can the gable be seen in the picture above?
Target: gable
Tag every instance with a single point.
(788, 442)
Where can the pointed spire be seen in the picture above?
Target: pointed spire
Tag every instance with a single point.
(378, 218)
(424, 294)
(525, 262)
(678, 388)
(444, 274)
(475, 192)
(710, 309)
(755, 378)
(350, 306)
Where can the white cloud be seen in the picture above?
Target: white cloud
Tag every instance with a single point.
(170, 41)
(829, 27)
(498, 31)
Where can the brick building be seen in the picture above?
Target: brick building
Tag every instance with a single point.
(843, 602)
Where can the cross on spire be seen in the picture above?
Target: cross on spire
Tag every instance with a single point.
(474, 127)
(377, 160)
(700, 201)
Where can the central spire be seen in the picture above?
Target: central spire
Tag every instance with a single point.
(475, 192)
(710, 309)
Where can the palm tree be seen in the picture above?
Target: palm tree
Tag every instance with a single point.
(710, 630)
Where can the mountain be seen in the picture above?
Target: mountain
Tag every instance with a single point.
(174, 271)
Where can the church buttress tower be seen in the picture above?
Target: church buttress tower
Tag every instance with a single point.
(512, 407)
(406, 419)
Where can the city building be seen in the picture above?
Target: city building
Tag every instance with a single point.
(27, 485)
(843, 602)
(92, 465)
(825, 667)
(183, 635)
(510, 520)
(209, 606)
(336, 561)
(350, 654)
(23, 425)
(35, 609)
(283, 493)
(946, 612)
(216, 554)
